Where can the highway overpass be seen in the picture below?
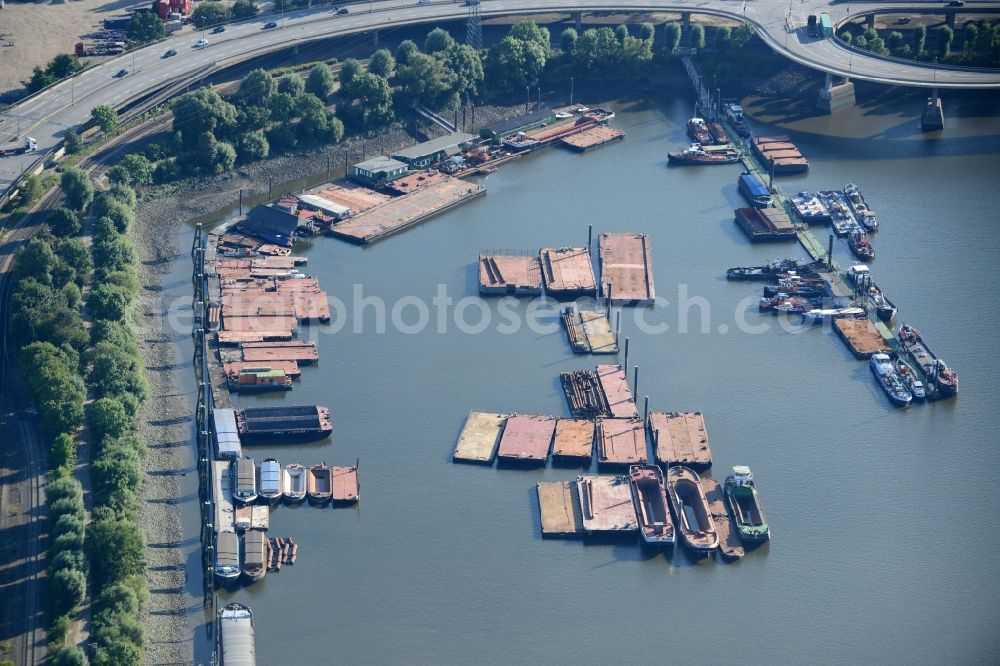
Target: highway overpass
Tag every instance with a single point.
(48, 114)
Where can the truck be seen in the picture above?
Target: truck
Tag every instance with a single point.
(29, 146)
(99, 48)
(826, 25)
(812, 30)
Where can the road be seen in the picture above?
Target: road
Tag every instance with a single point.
(47, 115)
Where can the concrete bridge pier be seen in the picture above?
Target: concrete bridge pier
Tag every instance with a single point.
(685, 22)
(949, 18)
(578, 20)
(870, 21)
(375, 37)
(836, 97)
(932, 118)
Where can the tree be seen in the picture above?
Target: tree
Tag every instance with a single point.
(108, 302)
(529, 31)
(145, 27)
(71, 141)
(31, 189)
(252, 147)
(207, 14)
(877, 45)
(291, 84)
(945, 35)
(406, 48)
(513, 65)
(895, 41)
(244, 9)
(370, 104)
(438, 39)
(348, 70)
(67, 523)
(105, 117)
(722, 36)
(647, 31)
(282, 107)
(673, 37)
(68, 488)
(861, 42)
(200, 111)
(320, 80)
(76, 255)
(597, 52)
(69, 655)
(970, 31)
(124, 539)
(621, 32)
(117, 476)
(382, 63)
(107, 418)
(567, 40)
(64, 222)
(133, 169)
(120, 215)
(62, 453)
(118, 653)
(113, 253)
(427, 79)
(256, 87)
(336, 129)
(698, 36)
(919, 38)
(467, 67)
(66, 588)
(77, 187)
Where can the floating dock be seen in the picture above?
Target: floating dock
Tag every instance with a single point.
(407, 210)
(626, 268)
(225, 514)
(300, 352)
(584, 395)
(589, 332)
(593, 138)
(574, 440)
(252, 517)
(568, 272)
(621, 442)
(730, 544)
(861, 337)
(290, 368)
(516, 275)
(680, 438)
(345, 488)
(617, 392)
(232, 337)
(766, 224)
(606, 504)
(480, 438)
(527, 439)
(559, 508)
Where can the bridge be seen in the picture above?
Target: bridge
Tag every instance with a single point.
(780, 23)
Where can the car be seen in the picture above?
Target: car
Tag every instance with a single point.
(218, 29)
(956, 3)
(120, 73)
(169, 53)
(423, 2)
(269, 25)
(342, 11)
(200, 44)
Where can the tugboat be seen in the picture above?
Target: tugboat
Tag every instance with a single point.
(694, 520)
(698, 130)
(784, 304)
(744, 505)
(944, 379)
(860, 275)
(859, 244)
(909, 378)
(734, 114)
(649, 497)
(889, 380)
(697, 154)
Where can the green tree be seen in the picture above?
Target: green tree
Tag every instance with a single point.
(698, 36)
(970, 32)
(723, 34)
(69, 655)
(291, 84)
(513, 65)
(244, 9)
(121, 215)
(207, 14)
(125, 540)
(567, 40)
(320, 80)
(68, 559)
(282, 107)
(64, 222)
(370, 105)
(467, 67)
(105, 117)
(118, 653)
(68, 488)
(200, 111)
(108, 302)
(597, 52)
(66, 588)
(405, 50)
(117, 476)
(107, 418)
(256, 87)
(31, 189)
(252, 147)
(77, 187)
(62, 453)
(145, 27)
(621, 32)
(438, 39)
(57, 390)
(529, 31)
(382, 63)
(895, 41)
(71, 141)
(427, 80)
(76, 255)
(673, 37)
(134, 168)
(335, 130)
(919, 38)
(945, 35)
(113, 253)
(67, 523)
(349, 69)
(877, 45)
(861, 42)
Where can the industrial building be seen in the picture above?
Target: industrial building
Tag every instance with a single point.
(524, 123)
(378, 170)
(430, 152)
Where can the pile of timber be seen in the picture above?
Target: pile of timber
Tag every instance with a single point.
(283, 551)
(584, 395)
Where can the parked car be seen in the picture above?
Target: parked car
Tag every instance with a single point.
(169, 53)
(120, 73)
(200, 44)
(269, 25)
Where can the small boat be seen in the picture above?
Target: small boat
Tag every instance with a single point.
(269, 487)
(744, 505)
(696, 154)
(649, 497)
(259, 379)
(909, 378)
(858, 241)
(698, 129)
(784, 304)
(818, 316)
(943, 378)
(319, 483)
(802, 290)
(719, 135)
(860, 275)
(227, 557)
(889, 380)
(694, 520)
(244, 480)
(730, 543)
(563, 115)
(293, 482)
(773, 269)
(865, 215)
(256, 554)
(734, 114)
(810, 208)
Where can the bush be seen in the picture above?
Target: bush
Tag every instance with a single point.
(77, 187)
(116, 474)
(66, 505)
(67, 524)
(404, 51)
(68, 559)
(568, 39)
(291, 84)
(133, 169)
(108, 302)
(698, 36)
(125, 280)
(208, 14)
(62, 454)
(66, 589)
(244, 9)
(69, 655)
(71, 141)
(253, 146)
(348, 71)
(64, 222)
(31, 190)
(382, 63)
(118, 653)
(107, 418)
(145, 27)
(57, 628)
(320, 80)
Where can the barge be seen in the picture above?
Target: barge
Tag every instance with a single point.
(694, 520)
(293, 483)
(810, 208)
(568, 272)
(626, 268)
(573, 441)
(621, 442)
(319, 484)
(680, 438)
(649, 497)
(559, 508)
(507, 274)
(269, 488)
(744, 505)
(699, 155)
(606, 504)
(779, 155)
(244, 480)
(479, 438)
(295, 423)
(943, 379)
(227, 557)
(754, 190)
(772, 270)
(765, 224)
(526, 439)
(589, 331)
(236, 636)
(862, 213)
(345, 488)
(255, 555)
(730, 544)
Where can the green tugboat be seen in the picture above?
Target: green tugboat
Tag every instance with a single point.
(744, 505)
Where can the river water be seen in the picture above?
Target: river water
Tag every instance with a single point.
(884, 546)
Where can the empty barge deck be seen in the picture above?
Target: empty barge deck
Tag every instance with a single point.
(345, 487)
(574, 440)
(621, 442)
(861, 336)
(568, 272)
(627, 268)
(589, 332)
(617, 392)
(730, 544)
(505, 274)
(680, 438)
(593, 137)
(527, 439)
(559, 508)
(606, 504)
(480, 437)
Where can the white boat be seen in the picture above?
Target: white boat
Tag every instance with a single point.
(890, 380)
(293, 482)
(909, 378)
(270, 480)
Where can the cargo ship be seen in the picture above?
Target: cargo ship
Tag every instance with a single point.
(810, 208)
(909, 378)
(734, 114)
(319, 484)
(258, 379)
(227, 557)
(293, 483)
(698, 155)
(754, 190)
(943, 379)
(236, 636)
(244, 480)
(694, 520)
(698, 131)
(860, 275)
(860, 245)
(772, 269)
(744, 505)
(890, 380)
(295, 423)
(269, 487)
(862, 213)
(256, 553)
(649, 497)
